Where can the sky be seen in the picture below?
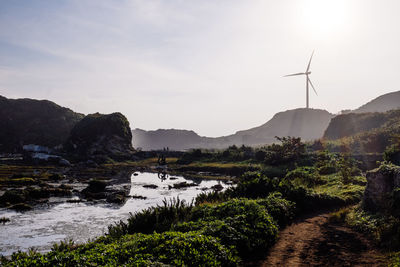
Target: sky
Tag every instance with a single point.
(214, 67)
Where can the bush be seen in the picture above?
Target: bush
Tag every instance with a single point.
(153, 219)
(306, 176)
(383, 229)
(242, 223)
(290, 150)
(211, 197)
(254, 185)
(392, 154)
(281, 210)
(173, 248)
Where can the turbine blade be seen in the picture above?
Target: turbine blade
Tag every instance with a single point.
(315, 91)
(295, 74)
(309, 63)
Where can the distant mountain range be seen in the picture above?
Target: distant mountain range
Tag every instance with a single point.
(42, 122)
(309, 124)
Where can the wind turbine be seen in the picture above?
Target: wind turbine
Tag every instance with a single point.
(308, 81)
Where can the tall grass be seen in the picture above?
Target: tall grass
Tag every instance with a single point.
(154, 219)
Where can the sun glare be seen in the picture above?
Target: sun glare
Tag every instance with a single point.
(325, 17)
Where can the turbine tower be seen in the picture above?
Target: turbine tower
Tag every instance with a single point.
(308, 81)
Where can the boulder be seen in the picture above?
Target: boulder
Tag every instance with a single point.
(382, 185)
(116, 197)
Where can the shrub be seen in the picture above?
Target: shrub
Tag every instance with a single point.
(392, 154)
(211, 197)
(242, 223)
(158, 219)
(254, 185)
(304, 176)
(172, 248)
(290, 150)
(281, 210)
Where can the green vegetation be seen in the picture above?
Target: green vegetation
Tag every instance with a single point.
(220, 228)
(378, 216)
(363, 133)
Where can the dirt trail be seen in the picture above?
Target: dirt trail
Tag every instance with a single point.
(317, 242)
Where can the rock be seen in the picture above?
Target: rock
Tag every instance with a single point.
(152, 186)
(381, 184)
(4, 220)
(91, 196)
(138, 197)
(182, 185)
(116, 197)
(100, 136)
(13, 197)
(96, 186)
(74, 200)
(217, 187)
(21, 207)
(38, 193)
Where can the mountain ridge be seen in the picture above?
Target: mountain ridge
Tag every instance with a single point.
(285, 123)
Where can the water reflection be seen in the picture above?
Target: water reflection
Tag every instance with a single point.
(163, 176)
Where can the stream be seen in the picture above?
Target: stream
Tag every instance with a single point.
(43, 226)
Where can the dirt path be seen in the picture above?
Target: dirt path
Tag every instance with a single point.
(317, 242)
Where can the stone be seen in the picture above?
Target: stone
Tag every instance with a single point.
(381, 182)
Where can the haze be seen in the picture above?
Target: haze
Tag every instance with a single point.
(210, 66)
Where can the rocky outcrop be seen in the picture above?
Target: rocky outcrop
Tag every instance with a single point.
(98, 135)
(30, 121)
(382, 187)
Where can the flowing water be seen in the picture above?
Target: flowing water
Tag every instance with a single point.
(42, 227)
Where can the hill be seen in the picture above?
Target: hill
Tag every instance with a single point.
(30, 121)
(382, 103)
(309, 124)
(364, 132)
(99, 134)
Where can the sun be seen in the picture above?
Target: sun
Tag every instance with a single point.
(325, 17)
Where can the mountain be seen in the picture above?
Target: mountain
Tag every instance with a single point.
(382, 103)
(363, 132)
(346, 125)
(171, 138)
(29, 121)
(309, 124)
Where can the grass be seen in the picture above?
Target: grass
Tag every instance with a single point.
(333, 186)
(221, 229)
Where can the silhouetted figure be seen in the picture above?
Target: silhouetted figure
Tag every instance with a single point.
(162, 160)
